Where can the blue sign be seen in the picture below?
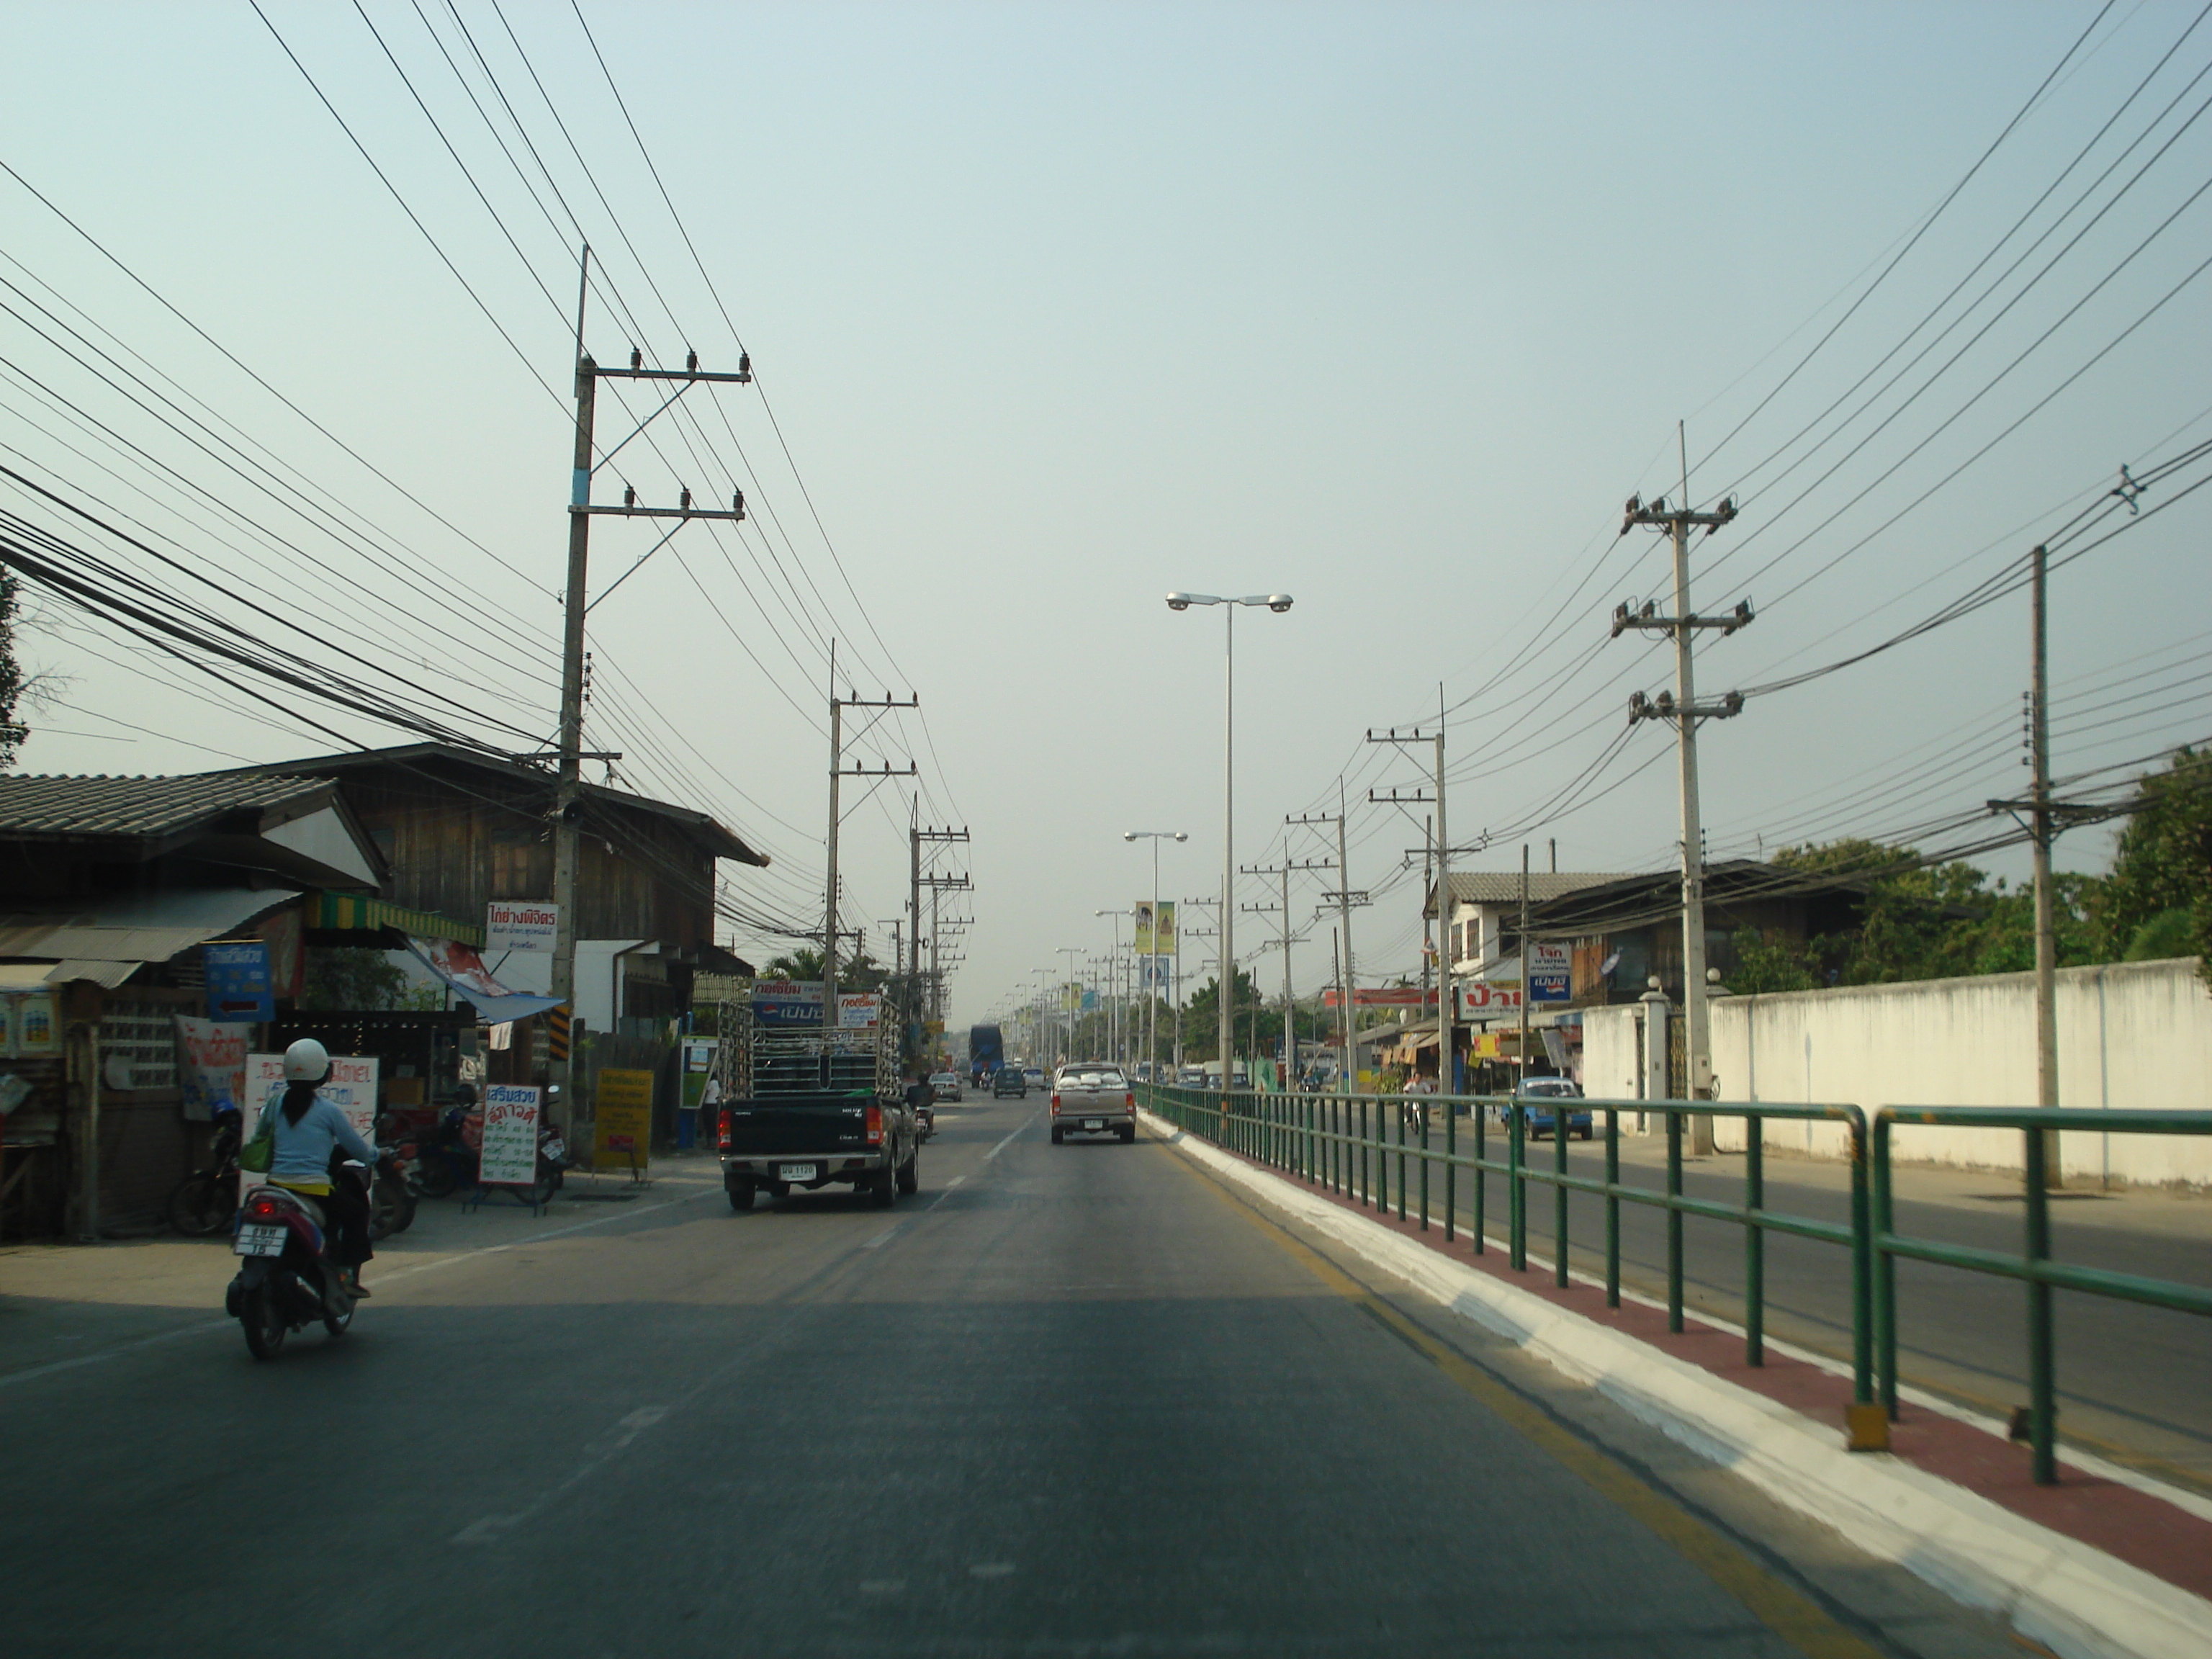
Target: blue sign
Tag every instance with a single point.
(1551, 988)
(238, 984)
(787, 1002)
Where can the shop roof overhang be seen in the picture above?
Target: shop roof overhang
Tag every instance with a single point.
(133, 928)
(298, 829)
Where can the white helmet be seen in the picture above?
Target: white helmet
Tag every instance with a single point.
(306, 1062)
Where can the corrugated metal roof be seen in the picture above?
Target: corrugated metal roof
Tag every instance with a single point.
(1503, 887)
(136, 806)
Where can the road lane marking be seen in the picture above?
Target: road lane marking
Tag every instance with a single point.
(1790, 1613)
(954, 1182)
(491, 1527)
(1018, 1128)
(122, 1348)
(992, 1570)
(884, 1237)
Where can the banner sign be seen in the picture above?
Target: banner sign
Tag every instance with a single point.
(520, 925)
(1488, 998)
(238, 983)
(351, 1088)
(699, 1054)
(509, 1157)
(1157, 973)
(1551, 972)
(623, 1112)
(462, 969)
(1381, 996)
(857, 1010)
(786, 1002)
(213, 1074)
(1155, 928)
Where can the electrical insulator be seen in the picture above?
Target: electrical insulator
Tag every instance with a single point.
(684, 501)
(691, 361)
(636, 358)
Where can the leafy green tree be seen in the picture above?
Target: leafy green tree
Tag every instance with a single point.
(344, 979)
(854, 973)
(2158, 900)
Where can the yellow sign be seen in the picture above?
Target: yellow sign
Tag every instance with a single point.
(624, 1114)
(934, 1027)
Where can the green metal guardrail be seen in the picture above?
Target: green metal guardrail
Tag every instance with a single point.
(1349, 1144)
(2033, 1266)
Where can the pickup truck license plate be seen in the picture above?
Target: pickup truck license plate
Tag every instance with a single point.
(261, 1241)
(1094, 1122)
(796, 1172)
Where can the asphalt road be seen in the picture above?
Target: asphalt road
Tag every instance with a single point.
(1077, 1400)
(2131, 1379)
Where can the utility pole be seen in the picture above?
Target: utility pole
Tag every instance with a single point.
(1447, 991)
(1345, 898)
(838, 773)
(569, 804)
(920, 833)
(1682, 708)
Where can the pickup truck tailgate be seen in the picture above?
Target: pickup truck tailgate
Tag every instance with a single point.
(798, 1123)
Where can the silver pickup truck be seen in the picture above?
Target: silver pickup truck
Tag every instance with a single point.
(1089, 1098)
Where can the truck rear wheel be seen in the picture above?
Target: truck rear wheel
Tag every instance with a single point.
(909, 1174)
(741, 1192)
(886, 1189)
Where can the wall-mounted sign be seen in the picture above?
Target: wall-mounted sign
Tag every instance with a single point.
(857, 1010)
(214, 1070)
(520, 924)
(1487, 997)
(238, 983)
(1551, 972)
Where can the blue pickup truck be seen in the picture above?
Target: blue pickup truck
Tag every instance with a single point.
(1548, 1089)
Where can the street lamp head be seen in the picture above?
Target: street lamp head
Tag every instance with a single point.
(1279, 602)
(1178, 601)
(1179, 836)
(1128, 835)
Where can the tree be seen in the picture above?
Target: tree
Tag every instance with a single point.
(2158, 900)
(346, 979)
(14, 690)
(861, 972)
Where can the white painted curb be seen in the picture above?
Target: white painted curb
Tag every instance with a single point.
(2072, 1597)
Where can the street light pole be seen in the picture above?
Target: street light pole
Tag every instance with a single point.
(1226, 984)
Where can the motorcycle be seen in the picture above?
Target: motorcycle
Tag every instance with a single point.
(444, 1159)
(392, 1192)
(924, 1119)
(552, 1165)
(288, 1279)
(201, 1205)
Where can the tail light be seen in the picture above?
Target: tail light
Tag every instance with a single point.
(263, 1207)
(1129, 1102)
(1056, 1103)
(722, 1131)
(875, 1126)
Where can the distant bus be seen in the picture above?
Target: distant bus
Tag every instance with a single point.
(986, 1051)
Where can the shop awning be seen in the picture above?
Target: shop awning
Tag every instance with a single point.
(460, 967)
(364, 913)
(136, 928)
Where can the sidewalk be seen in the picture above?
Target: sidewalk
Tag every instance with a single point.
(2106, 1563)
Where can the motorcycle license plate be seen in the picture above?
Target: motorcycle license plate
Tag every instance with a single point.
(797, 1172)
(1094, 1122)
(556, 1150)
(261, 1241)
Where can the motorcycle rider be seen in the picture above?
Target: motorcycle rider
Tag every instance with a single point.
(311, 1133)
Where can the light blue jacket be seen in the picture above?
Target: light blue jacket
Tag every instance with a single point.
(303, 1152)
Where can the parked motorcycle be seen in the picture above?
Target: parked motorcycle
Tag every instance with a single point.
(391, 1194)
(201, 1205)
(552, 1164)
(288, 1279)
(444, 1158)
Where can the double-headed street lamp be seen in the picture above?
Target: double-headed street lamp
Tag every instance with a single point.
(1226, 984)
(1151, 968)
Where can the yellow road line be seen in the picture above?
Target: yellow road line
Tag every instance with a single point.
(1779, 1606)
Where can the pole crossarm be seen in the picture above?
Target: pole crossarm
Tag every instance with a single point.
(732, 512)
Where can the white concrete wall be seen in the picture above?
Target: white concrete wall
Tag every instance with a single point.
(1612, 1056)
(2129, 1035)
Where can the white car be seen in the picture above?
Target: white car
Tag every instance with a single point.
(945, 1086)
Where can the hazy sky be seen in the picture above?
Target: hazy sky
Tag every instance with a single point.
(1059, 307)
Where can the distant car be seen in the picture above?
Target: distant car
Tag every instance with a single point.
(945, 1086)
(1550, 1089)
(1033, 1077)
(1191, 1077)
(1009, 1081)
(1143, 1072)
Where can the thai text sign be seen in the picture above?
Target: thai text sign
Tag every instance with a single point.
(1484, 997)
(1381, 996)
(510, 1136)
(622, 1114)
(214, 1072)
(1551, 972)
(787, 1002)
(857, 1010)
(238, 984)
(351, 1088)
(520, 925)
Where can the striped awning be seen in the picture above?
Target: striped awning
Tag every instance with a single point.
(364, 912)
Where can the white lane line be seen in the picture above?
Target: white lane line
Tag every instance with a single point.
(954, 1182)
(490, 1528)
(884, 1237)
(1018, 1128)
(132, 1346)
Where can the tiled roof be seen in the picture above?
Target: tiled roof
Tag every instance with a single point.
(1504, 887)
(141, 806)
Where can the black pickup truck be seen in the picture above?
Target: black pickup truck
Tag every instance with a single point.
(809, 1118)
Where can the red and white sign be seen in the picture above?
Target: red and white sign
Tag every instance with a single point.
(351, 1088)
(858, 1011)
(1480, 997)
(510, 1136)
(520, 925)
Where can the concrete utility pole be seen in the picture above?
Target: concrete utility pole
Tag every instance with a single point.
(1447, 988)
(1345, 898)
(920, 833)
(568, 806)
(1682, 708)
(838, 772)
